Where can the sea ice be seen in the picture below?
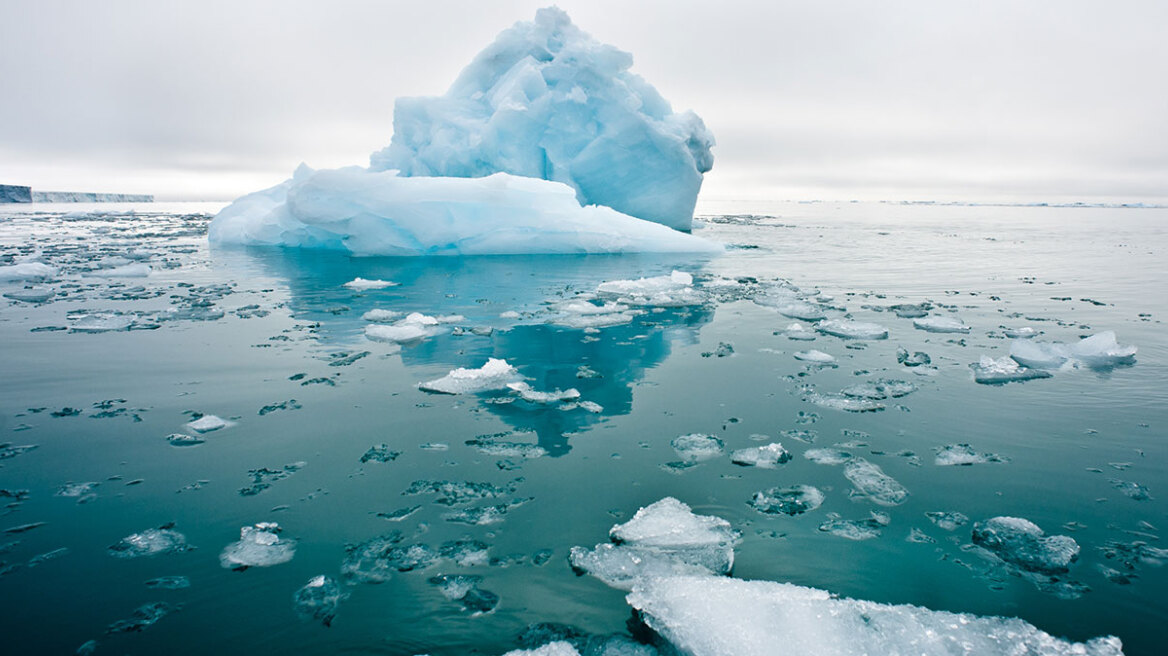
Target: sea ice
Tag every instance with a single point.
(794, 500)
(1024, 332)
(989, 371)
(375, 560)
(827, 456)
(496, 374)
(207, 423)
(718, 616)
(415, 326)
(169, 583)
(546, 100)
(1020, 542)
(917, 359)
(142, 617)
(844, 402)
(817, 357)
(126, 271)
(1097, 351)
(852, 329)
(453, 493)
(950, 521)
(963, 454)
(765, 457)
(663, 538)
(530, 395)
(940, 324)
(318, 599)
(100, 322)
(465, 589)
(879, 389)
(697, 447)
(674, 290)
(855, 529)
(871, 482)
(381, 316)
(27, 272)
(259, 546)
(362, 285)
(30, 295)
(151, 542)
(797, 332)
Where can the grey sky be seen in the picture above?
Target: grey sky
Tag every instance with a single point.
(989, 100)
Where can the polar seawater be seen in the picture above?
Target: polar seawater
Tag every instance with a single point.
(225, 450)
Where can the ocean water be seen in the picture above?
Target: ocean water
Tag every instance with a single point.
(98, 374)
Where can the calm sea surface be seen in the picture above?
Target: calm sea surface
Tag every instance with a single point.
(272, 341)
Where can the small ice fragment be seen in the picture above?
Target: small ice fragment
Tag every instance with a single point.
(380, 453)
(854, 529)
(381, 316)
(844, 403)
(128, 271)
(989, 371)
(1020, 542)
(1023, 332)
(764, 457)
(1132, 490)
(169, 583)
(30, 295)
(375, 560)
(852, 329)
(818, 357)
(674, 290)
(940, 324)
(464, 588)
(950, 521)
(911, 310)
(827, 456)
(697, 447)
(917, 359)
(963, 454)
(871, 482)
(797, 332)
(400, 514)
(258, 546)
(182, 439)
(557, 648)
(151, 542)
(208, 423)
(142, 617)
(318, 599)
(531, 396)
(101, 323)
(363, 285)
(493, 375)
(794, 500)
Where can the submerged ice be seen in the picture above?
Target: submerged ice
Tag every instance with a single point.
(546, 143)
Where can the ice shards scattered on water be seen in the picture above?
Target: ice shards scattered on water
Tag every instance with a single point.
(493, 446)
(716, 616)
(852, 329)
(815, 357)
(1022, 543)
(453, 493)
(872, 483)
(262, 478)
(989, 371)
(376, 559)
(465, 589)
(793, 500)
(697, 447)
(27, 272)
(765, 457)
(547, 100)
(827, 456)
(362, 285)
(963, 454)
(674, 290)
(915, 359)
(1098, 351)
(496, 374)
(486, 515)
(664, 538)
(258, 546)
(318, 599)
(151, 542)
(8, 450)
(208, 423)
(950, 521)
(940, 324)
(142, 617)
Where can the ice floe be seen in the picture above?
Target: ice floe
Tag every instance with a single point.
(827, 456)
(151, 542)
(1022, 543)
(792, 500)
(496, 374)
(814, 356)
(989, 371)
(873, 484)
(963, 454)
(852, 329)
(363, 285)
(673, 290)
(697, 447)
(465, 589)
(207, 424)
(318, 599)
(940, 324)
(764, 457)
(258, 546)
(28, 272)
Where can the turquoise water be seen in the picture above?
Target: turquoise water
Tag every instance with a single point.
(256, 329)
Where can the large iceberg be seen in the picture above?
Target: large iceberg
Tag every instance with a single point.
(547, 100)
(546, 143)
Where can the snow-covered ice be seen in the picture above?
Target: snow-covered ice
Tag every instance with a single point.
(27, 272)
(496, 374)
(546, 100)
(208, 423)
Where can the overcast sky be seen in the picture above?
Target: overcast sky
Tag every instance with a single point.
(974, 100)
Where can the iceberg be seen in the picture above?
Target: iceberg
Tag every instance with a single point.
(546, 143)
(546, 100)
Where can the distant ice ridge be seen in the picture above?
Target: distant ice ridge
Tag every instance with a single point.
(546, 143)
(365, 212)
(546, 100)
(700, 613)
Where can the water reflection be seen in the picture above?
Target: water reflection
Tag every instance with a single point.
(481, 289)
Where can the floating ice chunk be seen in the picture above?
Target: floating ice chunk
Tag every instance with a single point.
(674, 290)
(717, 616)
(399, 334)
(494, 447)
(963, 454)
(452, 493)
(484, 516)
(765, 457)
(496, 374)
(363, 285)
(871, 482)
(880, 389)
(259, 546)
(375, 560)
(465, 589)
(827, 456)
(664, 538)
(1023, 332)
(855, 529)
(1097, 351)
(532, 396)
(208, 423)
(797, 332)
(989, 371)
(1020, 542)
(582, 315)
(852, 329)
(843, 402)
(142, 617)
(940, 324)
(151, 542)
(169, 583)
(911, 310)
(27, 272)
(950, 521)
(697, 447)
(262, 478)
(182, 439)
(546, 100)
(369, 213)
(794, 500)
(103, 322)
(31, 295)
(381, 316)
(126, 271)
(380, 453)
(318, 599)
(790, 302)
(818, 357)
(1132, 490)
(917, 359)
